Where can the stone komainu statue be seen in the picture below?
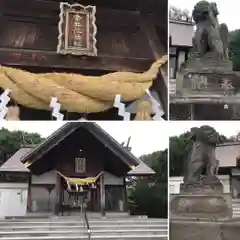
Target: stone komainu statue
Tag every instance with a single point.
(210, 36)
(202, 163)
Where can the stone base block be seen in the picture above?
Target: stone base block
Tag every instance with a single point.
(207, 77)
(200, 206)
(204, 230)
(207, 64)
(212, 84)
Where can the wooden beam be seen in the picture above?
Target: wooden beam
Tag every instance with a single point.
(191, 112)
(125, 198)
(115, 4)
(148, 27)
(150, 30)
(47, 12)
(1, 15)
(161, 83)
(29, 202)
(102, 196)
(50, 59)
(58, 194)
(160, 87)
(204, 100)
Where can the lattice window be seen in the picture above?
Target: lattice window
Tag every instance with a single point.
(80, 165)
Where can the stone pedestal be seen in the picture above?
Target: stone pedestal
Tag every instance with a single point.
(201, 213)
(204, 230)
(205, 202)
(207, 77)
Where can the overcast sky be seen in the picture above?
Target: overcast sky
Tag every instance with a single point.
(229, 10)
(226, 128)
(147, 137)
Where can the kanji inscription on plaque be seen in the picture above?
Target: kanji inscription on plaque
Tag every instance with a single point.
(77, 30)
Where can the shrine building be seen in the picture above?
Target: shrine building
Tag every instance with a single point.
(79, 157)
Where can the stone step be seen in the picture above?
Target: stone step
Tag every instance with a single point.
(108, 232)
(80, 222)
(76, 219)
(50, 227)
(96, 237)
(72, 228)
(37, 215)
(80, 217)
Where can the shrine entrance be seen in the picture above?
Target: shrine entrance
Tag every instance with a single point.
(85, 43)
(75, 197)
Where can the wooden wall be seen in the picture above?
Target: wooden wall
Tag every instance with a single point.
(29, 37)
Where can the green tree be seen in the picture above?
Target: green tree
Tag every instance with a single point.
(149, 196)
(235, 49)
(179, 148)
(11, 141)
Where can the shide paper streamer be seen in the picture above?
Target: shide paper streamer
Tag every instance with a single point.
(121, 108)
(56, 106)
(4, 98)
(56, 109)
(156, 106)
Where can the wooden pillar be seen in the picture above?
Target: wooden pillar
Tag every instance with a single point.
(125, 198)
(57, 199)
(29, 203)
(192, 111)
(102, 196)
(231, 185)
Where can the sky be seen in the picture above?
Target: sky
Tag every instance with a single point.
(228, 129)
(228, 9)
(146, 137)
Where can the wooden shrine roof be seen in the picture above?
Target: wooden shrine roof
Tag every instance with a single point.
(69, 128)
(140, 170)
(13, 164)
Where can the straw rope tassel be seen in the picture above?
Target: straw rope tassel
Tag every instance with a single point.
(76, 92)
(83, 181)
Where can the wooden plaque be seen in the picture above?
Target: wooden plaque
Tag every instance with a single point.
(77, 30)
